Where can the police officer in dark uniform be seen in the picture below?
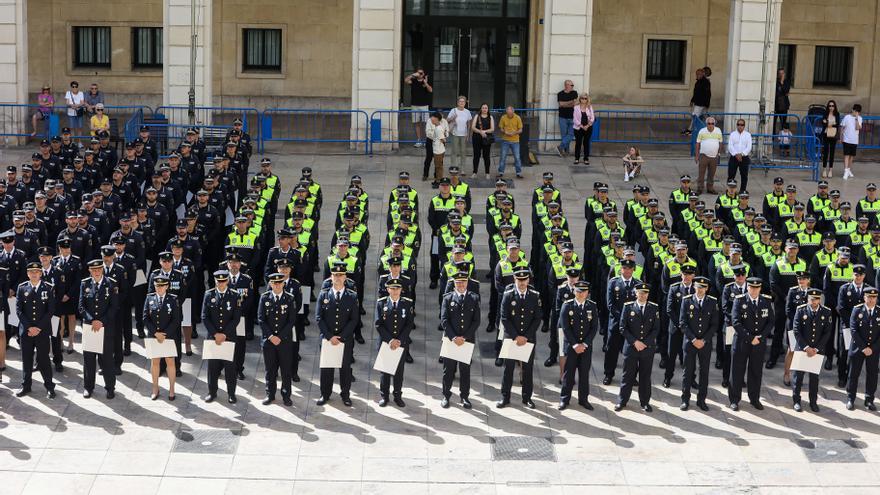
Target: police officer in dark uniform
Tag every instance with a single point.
(277, 315)
(675, 342)
(621, 289)
(579, 321)
(521, 315)
(753, 320)
(35, 305)
(124, 277)
(337, 315)
(161, 318)
(221, 310)
(394, 323)
(864, 350)
(639, 327)
(459, 319)
(812, 329)
(244, 285)
(850, 295)
(698, 321)
(98, 303)
(70, 270)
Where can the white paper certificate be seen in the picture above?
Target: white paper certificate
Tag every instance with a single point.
(792, 341)
(461, 353)
(239, 329)
(387, 359)
(509, 350)
(140, 278)
(56, 322)
(13, 314)
(186, 309)
(847, 337)
(92, 341)
(729, 334)
(435, 245)
(222, 352)
(156, 350)
(800, 362)
(331, 355)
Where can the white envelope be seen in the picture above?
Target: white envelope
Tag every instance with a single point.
(331, 355)
(847, 337)
(222, 352)
(230, 219)
(435, 245)
(306, 293)
(140, 278)
(92, 341)
(189, 196)
(461, 353)
(13, 314)
(239, 329)
(167, 348)
(509, 350)
(149, 265)
(387, 359)
(56, 322)
(800, 362)
(792, 341)
(186, 309)
(180, 211)
(729, 335)
(561, 337)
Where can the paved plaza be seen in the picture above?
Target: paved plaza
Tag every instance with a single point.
(133, 446)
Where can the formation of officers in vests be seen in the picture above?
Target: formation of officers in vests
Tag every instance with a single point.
(196, 243)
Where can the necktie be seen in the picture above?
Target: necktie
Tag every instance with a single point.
(394, 306)
(160, 301)
(234, 280)
(337, 296)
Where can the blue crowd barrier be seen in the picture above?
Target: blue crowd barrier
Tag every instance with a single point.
(327, 127)
(207, 117)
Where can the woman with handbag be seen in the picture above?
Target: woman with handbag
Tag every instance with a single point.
(829, 137)
(482, 137)
(75, 108)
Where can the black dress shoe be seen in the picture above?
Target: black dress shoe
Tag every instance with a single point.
(141, 334)
(295, 378)
(363, 311)
(87, 394)
(586, 405)
(501, 404)
(684, 406)
(490, 327)
(550, 361)
(662, 363)
(383, 402)
(321, 401)
(871, 406)
(702, 405)
(154, 396)
(195, 334)
(734, 406)
(444, 403)
(814, 407)
(286, 400)
(465, 403)
(606, 380)
(562, 406)
(209, 398)
(717, 364)
(647, 408)
(529, 404)
(770, 364)
(268, 400)
(433, 285)
(118, 372)
(666, 382)
(408, 358)
(59, 367)
(797, 407)
(841, 383)
(725, 384)
(69, 351)
(178, 373)
(499, 362)
(240, 376)
(785, 382)
(828, 365)
(398, 401)
(757, 405)
(232, 399)
(189, 353)
(346, 402)
(359, 339)
(22, 392)
(50, 394)
(849, 405)
(111, 394)
(618, 407)
(126, 352)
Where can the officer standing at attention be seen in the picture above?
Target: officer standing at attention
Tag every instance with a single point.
(277, 315)
(698, 321)
(850, 295)
(162, 321)
(677, 292)
(394, 323)
(639, 326)
(865, 349)
(337, 315)
(459, 319)
(621, 289)
(98, 302)
(521, 315)
(221, 311)
(579, 321)
(812, 329)
(35, 305)
(753, 321)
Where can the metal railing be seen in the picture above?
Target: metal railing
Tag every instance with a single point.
(16, 121)
(207, 118)
(396, 127)
(326, 130)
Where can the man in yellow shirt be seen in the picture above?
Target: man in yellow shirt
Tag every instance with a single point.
(511, 127)
(100, 121)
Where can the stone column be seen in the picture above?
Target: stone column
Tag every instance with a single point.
(177, 56)
(567, 51)
(745, 52)
(13, 66)
(375, 78)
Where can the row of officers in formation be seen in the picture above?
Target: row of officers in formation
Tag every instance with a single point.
(759, 274)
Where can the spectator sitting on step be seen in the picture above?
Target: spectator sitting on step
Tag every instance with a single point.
(632, 164)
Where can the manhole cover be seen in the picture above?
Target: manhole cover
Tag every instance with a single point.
(832, 450)
(214, 441)
(523, 449)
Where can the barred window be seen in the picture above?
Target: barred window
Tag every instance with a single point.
(665, 60)
(787, 58)
(833, 66)
(146, 47)
(91, 46)
(262, 50)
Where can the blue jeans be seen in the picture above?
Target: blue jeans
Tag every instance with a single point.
(566, 131)
(513, 148)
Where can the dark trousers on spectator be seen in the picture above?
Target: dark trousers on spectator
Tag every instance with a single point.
(743, 166)
(481, 149)
(828, 145)
(582, 138)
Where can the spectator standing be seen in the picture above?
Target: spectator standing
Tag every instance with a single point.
(709, 141)
(583, 128)
(459, 119)
(420, 96)
(100, 121)
(785, 136)
(93, 97)
(46, 102)
(482, 137)
(850, 127)
(739, 146)
(567, 99)
(75, 108)
(781, 103)
(511, 127)
(436, 134)
(701, 97)
(829, 135)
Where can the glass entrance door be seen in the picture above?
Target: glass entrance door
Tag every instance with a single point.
(464, 64)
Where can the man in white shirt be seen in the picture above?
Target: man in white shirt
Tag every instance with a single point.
(739, 146)
(850, 125)
(709, 141)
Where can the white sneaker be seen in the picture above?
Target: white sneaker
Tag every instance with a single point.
(847, 174)
(626, 177)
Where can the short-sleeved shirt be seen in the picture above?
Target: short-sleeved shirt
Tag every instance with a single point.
(73, 99)
(850, 134)
(460, 121)
(563, 96)
(510, 124)
(710, 142)
(419, 96)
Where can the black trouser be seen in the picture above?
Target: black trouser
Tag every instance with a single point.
(725, 364)
(674, 349)
(582, 139)
(58, 345)
(118, 358)
(385, 381)
(828, 146)
(107, 364)
(637, 362)
(494, 303)
(580, 364)
(278, 356)
(238, 355)
(746, 357)
(435, 261)
(663, 336)
(215, 366)
(481, 149)
(553, 342)
(507, 377)
(344, 374)
(842, 355)
(40, 344)
(743, 166)
(126, 327)
(464, 384)
(691, 357)
(798, 382)
(138, 296)
(615, 344)
(779, 328)
(429, 157)
(832, 342)
(855, 370)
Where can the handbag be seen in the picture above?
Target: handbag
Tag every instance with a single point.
(489, 140)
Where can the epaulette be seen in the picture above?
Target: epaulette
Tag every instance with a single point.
(739, 296)
(629, 302)
(801, 306)
(652, 303)
(765, 296)
(687, 296)
(534, 291)
(826, 307)
(406, 299)
(711, 297)
(510, 290)
(729, 283)
(857, 305)
(381, 298)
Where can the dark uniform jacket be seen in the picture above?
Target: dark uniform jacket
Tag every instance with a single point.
(98, 302)
(163, 317)
(460, 318)
(616, 295)
(699, 321)
(677, 292)
(865, 330)
(394, 323)
(277, 318)
(337, 318)
(579, 323)
(221, 312)
(639, 326)
(521, 315)
(812, 328)
(750, 321)
(35, 306)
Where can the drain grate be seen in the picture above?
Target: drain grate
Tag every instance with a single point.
(212, 441)
(523, 449)
(832, 450)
